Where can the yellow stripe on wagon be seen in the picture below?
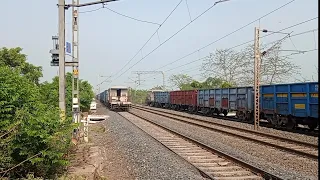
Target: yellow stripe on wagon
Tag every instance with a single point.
(314, 95)
(268, 95)
(282, 95)
(299, 95)
(299, 106)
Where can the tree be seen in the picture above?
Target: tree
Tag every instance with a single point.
(15, 60)
(225, 65)
(237, 68)
(33, 137)
(50, 93)
(180, 80)
(157, 88)
(138, 96)
(212, 82)
(29, 128)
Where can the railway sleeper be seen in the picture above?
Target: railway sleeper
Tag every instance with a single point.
(197, 156)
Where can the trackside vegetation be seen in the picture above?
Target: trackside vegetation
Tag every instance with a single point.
(33, 139)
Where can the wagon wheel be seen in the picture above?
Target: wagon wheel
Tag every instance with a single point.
(291, 124)
(312, 126)
(250, 118)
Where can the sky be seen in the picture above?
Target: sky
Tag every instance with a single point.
(107, 41)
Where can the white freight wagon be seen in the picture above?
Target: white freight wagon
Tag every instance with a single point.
(118, 98)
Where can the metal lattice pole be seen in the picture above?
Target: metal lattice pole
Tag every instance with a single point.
(75, 67)
(257, 62)
(150, 72)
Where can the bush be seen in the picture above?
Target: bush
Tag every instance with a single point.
(34, 140)
(37, 128)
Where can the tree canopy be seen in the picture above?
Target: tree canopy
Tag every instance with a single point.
(237, 67)
(32, 136)
(185, 82)
(15, 60)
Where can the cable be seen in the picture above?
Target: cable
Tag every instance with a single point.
(228, 34)
(293, 35)
(103, 7)
(174, 35)
(82, 12)
(132, 17)
(188, 10)
(300, 23)
(149, 38)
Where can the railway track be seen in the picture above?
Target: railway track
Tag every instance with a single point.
(210, 162)
(298, 130)
(292, 146)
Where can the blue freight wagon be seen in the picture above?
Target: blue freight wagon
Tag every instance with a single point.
(290, 104)
(103, 97)
(162, 99)
(224, 100)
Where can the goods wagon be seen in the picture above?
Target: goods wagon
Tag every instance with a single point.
(118, 98)
(184, 100)
(224, 100)
(103, 97)
(290, 104)
(150, 97)
(162, 99)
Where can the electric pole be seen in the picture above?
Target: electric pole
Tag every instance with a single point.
(257, 62)
(58, 55)
(151, 72)
(75, 58)
(62, 79)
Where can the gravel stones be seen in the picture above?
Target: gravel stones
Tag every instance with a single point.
(134, 154)
(290, 135)
(280, 163)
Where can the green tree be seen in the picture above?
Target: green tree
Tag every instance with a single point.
(138, 96)
(32, 136)
(157, 88)
(181, 81)
(50, 93)
(37, 129)
(15, 60)
(214, 82)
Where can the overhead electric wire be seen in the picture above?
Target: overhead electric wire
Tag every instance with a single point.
(292, 54)
(132, 17)
(294, 25)
(174, 35)
(149, 38)
(229, 34)
(82, 12)
(293, 35)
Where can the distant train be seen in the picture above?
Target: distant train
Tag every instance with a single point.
(116, 98)
(280, 104)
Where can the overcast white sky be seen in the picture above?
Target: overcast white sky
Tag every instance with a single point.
(108, 41)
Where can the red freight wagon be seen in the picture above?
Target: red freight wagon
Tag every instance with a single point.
(184, 100)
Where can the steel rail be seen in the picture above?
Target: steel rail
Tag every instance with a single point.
(312, 156)
(241, 163)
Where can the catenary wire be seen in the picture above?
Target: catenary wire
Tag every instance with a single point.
(292, 54)
(146, 41)
(229, 34)
(293, 35)
(130, 17)
(172, 36)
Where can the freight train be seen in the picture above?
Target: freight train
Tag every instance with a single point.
(116, 98)
(280, 104)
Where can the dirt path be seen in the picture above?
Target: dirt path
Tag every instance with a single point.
(98, 159)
